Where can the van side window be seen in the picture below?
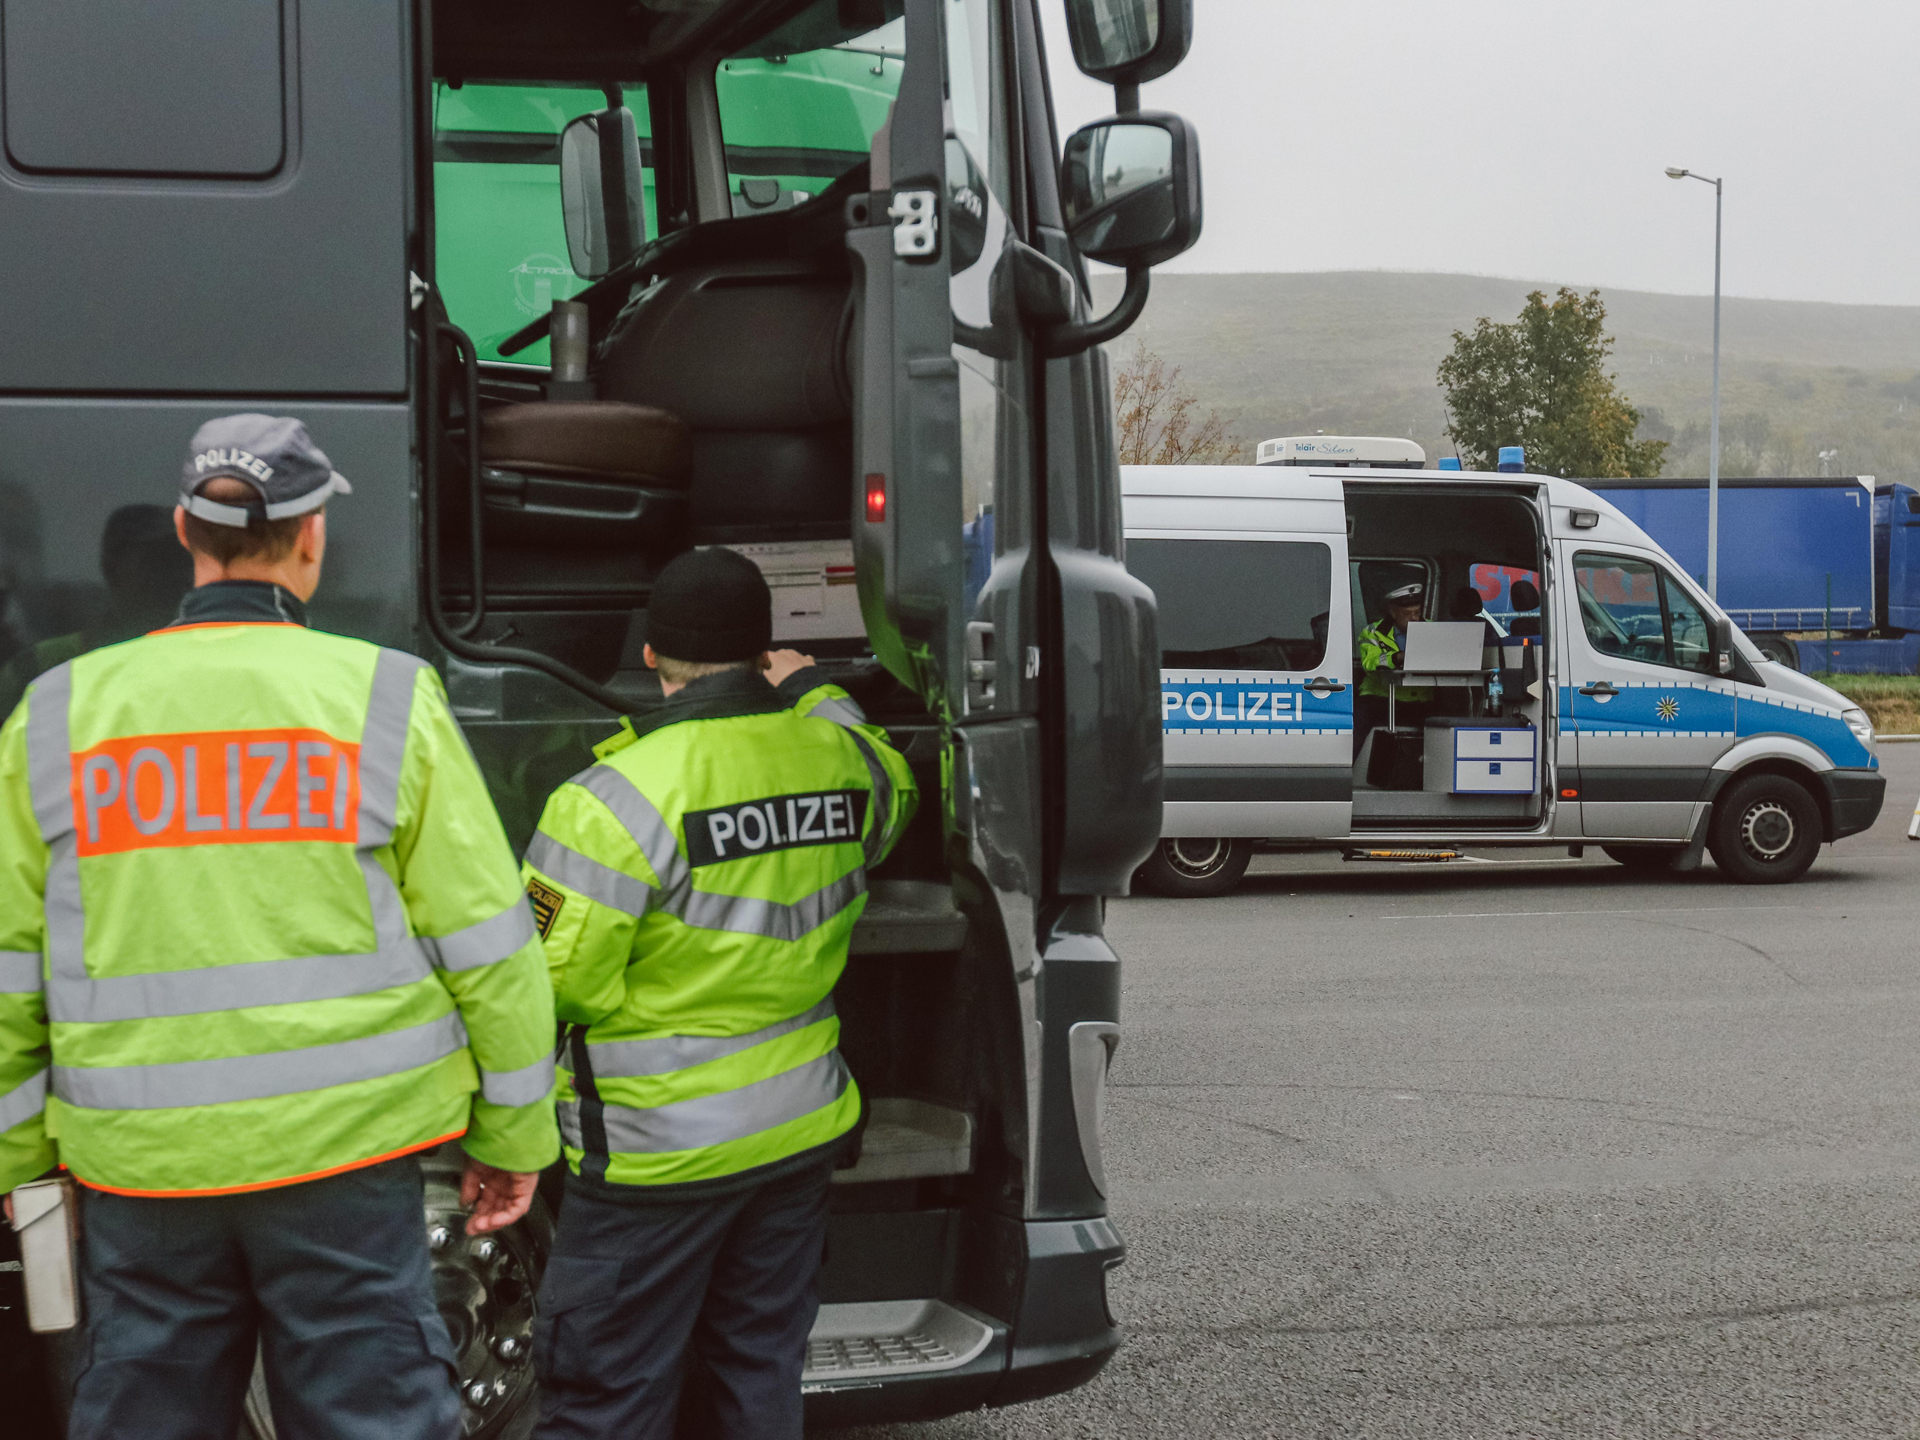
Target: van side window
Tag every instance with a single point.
(1238, 604)
(1635, 610)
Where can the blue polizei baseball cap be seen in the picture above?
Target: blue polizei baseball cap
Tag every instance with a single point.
(273, 454)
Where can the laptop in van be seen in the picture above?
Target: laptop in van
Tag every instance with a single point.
(1443, 647)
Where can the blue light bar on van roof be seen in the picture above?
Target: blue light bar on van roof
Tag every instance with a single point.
(1513, 459)
(1449, 462)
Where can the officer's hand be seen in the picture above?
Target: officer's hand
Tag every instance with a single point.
(782, 663)
(496, 1197)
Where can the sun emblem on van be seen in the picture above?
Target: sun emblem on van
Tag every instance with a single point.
(1667, 707)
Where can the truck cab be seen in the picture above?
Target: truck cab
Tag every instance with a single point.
(566, 289)
(1592, 695)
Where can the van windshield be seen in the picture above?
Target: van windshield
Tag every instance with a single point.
(1238, 604)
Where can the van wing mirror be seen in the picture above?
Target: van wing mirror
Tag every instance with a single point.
(1725, 657)
(1129, 42)
(1130, 187)
(600, 192)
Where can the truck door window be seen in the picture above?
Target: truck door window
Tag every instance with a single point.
(793, 124)
(1238, 604)
(500, 242)
(1633, 609)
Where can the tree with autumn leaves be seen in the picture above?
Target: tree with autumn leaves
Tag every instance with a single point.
(1156, 420)
(1540, 381)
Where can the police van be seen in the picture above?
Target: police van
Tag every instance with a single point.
(1567, 683)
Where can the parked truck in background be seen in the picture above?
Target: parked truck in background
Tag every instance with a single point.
(850, 258)
(1823, 574)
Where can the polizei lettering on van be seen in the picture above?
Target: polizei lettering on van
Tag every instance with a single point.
(779, 822)
(1248, 706)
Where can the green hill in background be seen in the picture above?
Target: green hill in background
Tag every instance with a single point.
(1354, 352)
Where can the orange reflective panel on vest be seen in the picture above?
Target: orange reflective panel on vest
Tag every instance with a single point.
(216, 787)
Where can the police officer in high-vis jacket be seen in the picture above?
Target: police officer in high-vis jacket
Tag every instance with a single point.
(1381, 644)
(261, 940)
(697, 890)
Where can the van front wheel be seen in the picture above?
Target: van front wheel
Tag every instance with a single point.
(1766, 831)
(1192, 869)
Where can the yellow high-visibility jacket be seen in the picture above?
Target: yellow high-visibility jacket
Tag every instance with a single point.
(259, 922)
(697, 890)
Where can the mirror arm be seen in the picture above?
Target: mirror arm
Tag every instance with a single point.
(1126, 98)
(1063, 340)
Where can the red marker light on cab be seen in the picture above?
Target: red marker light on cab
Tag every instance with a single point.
(876, 498)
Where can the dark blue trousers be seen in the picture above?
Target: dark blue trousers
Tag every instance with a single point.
(331, 1276)
(692, 1314)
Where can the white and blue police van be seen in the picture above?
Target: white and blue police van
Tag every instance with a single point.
(1567, 685)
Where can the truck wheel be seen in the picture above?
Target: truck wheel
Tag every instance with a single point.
(1778, 648)
(1765, 831)
(1192, 869)
(485, 1293)
(1645, 859)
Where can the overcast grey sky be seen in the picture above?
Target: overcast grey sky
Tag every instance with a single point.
(1528, 138)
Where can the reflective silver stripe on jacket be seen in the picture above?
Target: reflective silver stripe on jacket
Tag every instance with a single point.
(74, 996)
(643, 821)
(629, 1059)
(709, 1120)
(258, 1077)
(744, 915)
(19, 972)
(848, 715)
(526, 1086)
(24, 1101)
(215, 988)
(601, 884)
(494, 939)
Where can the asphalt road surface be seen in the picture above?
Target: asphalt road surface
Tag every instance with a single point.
(1522, 1147)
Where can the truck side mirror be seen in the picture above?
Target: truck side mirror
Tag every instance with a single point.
(1130, 187)
(600, 194)
(1128, 42)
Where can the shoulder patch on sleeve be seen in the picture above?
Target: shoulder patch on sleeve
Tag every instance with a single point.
(546, 903)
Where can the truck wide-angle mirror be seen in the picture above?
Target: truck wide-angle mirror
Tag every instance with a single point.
(600, 194)
(1128, 42)
(1130, 187)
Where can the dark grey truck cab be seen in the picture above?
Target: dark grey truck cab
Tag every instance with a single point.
(869, 363)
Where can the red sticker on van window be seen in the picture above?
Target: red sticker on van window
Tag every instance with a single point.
(217, 787)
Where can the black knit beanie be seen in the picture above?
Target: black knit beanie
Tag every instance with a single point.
(710, 606)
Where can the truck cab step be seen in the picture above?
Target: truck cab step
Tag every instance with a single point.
(885, 1339)
(910, 1140)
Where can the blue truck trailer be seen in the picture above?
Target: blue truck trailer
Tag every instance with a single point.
(1802, 559)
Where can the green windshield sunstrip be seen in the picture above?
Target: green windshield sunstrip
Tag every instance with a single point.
(501, 243)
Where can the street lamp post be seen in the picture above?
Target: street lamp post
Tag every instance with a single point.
(1713, 438)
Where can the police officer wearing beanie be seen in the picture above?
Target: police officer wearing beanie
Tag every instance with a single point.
(697, 890)
(262, 939)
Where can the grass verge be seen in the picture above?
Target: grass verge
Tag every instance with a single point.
(1891, 701)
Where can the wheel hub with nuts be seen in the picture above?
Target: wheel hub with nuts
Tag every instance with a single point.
(1767, 830)
(484, 1286)
(1197, 859)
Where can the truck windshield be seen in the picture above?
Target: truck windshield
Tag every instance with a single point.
(1238, 604)
(793, 124)
(500, 243)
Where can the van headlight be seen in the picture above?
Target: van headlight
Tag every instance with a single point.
(1858, 722)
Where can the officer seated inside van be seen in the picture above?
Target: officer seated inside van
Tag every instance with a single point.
(1381, 645)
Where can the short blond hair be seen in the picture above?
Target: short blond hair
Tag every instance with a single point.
(679, 672)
